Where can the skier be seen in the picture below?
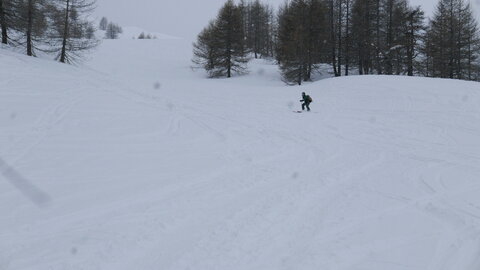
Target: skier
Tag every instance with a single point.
(306, 99)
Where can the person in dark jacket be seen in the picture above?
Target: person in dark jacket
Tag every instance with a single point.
(306, 99)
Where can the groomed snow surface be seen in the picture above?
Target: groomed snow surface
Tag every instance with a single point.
(145, 164)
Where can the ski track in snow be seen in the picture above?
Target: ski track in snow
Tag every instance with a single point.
(220, 174)
(47, 120)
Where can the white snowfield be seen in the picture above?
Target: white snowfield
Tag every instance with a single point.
(147, 165)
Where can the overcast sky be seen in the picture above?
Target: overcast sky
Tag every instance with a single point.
(182, 18)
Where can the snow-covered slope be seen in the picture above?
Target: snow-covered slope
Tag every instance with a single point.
(149, 165)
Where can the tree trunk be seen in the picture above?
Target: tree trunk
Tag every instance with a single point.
(255, 41)
(3, 23)
(340, 25)
(361, 57)
(299, 79)
(411, 45)
(459, 44)
(367, 54)
(410, 55)
(377, 43)
(390, 38)
(29, 28)
(469, 58)
(347, 41)
(229, 60)
(63, 55)
(229, 52)
(332, 39)
(309, 63)
(229, 67)
(451, 43)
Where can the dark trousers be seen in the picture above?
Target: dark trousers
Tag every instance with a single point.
(306, 104)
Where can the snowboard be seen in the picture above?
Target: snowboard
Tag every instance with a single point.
(304, 112)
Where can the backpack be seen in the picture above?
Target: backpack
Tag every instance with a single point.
(309, 98)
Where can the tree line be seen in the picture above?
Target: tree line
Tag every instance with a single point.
(388, 37)
(59, 27)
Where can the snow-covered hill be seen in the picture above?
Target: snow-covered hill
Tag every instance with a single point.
(131, 32)
(148, 165)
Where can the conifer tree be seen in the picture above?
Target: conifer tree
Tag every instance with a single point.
(332, 34)
(413, 35)
(452, 41)
(229, 41)
(257, 32)
(103, 24)
(301, 36)
(113, 31)
(362, 29)
(204, 51)
(8, 10)
(220, 47)
(70, 32)
(32, 22)
(3, 23)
